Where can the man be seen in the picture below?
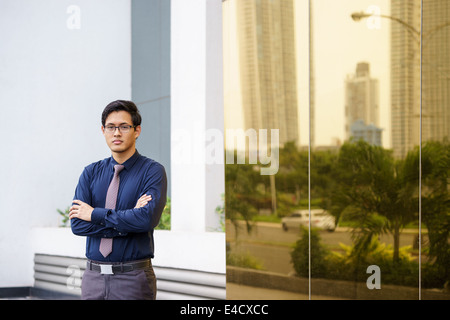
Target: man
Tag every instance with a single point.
(117, 204)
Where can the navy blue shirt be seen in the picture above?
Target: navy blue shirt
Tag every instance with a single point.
(132, 229)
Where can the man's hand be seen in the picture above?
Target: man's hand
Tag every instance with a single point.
(80, 210)
(83, 211)
(143, 201)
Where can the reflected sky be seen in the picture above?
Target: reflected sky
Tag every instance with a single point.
(339, 43)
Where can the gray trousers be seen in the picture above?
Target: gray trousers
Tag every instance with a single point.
(133, 285)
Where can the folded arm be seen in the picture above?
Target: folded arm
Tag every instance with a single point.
(89, 221)
(82, 227)
(138, 219)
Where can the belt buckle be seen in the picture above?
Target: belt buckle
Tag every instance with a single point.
(106, 269)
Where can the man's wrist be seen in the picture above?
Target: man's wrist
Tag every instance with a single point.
(98, 216)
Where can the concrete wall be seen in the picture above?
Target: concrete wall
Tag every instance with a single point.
(150, 48)
(61, 62)
(197, 107)
(57, 73)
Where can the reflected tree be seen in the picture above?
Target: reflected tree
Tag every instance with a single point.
(436, 209)
(375, 191)
(241, 193)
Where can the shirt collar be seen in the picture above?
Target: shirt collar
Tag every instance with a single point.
(127, 164)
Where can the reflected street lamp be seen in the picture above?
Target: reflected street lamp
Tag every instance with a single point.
(357, 16)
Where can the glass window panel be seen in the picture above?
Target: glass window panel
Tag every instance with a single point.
(361, 111)
(435, 217)
(266, 87)
(364, 163)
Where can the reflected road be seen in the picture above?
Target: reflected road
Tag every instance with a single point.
(272, 246)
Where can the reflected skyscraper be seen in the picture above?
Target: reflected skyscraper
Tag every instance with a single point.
(436, 70)
(362, 101)
(405, 77)
(266, 40)
(405, 73)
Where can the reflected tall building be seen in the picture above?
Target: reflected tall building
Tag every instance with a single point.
(362, 99)
(405, 74)
(266, 40)
(405, 77)
(436, 70)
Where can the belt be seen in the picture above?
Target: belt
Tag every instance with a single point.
(121, 267)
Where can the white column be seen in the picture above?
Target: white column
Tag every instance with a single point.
(196, 112)
(215, 118)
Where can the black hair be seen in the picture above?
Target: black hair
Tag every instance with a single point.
(122, 105)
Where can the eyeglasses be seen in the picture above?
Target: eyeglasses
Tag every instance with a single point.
(122, 128)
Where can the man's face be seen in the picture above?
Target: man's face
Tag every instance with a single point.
(118, 140)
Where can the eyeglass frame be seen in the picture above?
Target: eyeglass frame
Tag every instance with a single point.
(108, 127)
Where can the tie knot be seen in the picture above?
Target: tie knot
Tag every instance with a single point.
(118, 168)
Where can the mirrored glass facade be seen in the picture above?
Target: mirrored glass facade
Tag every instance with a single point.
(358, 92)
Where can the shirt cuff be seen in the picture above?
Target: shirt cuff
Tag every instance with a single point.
(98, 216)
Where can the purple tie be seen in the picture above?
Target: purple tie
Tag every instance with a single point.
(111, 198)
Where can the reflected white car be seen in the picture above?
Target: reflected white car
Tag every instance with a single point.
(319, 219)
